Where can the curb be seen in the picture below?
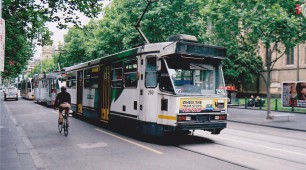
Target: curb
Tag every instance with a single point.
(266, 110)
(285, 128)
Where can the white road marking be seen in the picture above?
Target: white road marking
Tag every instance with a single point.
(267, 147)
(131, 142)
(92, 145)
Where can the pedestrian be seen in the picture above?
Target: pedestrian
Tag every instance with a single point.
(252, 101)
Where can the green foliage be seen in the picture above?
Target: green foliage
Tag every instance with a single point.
(25, 24)
(45, 66)
(116, 31)
(241, 25)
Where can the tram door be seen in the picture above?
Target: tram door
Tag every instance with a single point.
(79, 91)
(105, 95)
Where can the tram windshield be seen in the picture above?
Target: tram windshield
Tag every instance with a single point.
(189, 77)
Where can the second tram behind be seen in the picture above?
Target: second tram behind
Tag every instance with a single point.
(26, 88)
(46, 87)
(161, 87)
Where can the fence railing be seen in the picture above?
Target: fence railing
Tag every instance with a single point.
(275, 105)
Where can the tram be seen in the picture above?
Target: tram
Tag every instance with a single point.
(26, 88)
(157, 88)
(47, 86)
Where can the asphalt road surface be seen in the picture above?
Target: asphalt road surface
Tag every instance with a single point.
(87, 146)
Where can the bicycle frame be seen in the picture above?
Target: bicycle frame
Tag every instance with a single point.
(65, 124)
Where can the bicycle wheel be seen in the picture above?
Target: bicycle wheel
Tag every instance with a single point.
(65, 126)
(60, 126)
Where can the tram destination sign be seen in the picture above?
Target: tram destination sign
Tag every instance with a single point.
(200, 50)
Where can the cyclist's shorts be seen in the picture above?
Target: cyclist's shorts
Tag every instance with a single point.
(64, 106)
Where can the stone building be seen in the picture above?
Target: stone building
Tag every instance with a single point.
(46, 52)
(290, 67)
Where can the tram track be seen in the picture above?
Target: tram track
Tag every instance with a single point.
(235, 163)
(248, 149)
(214, 157)
(266, 132)
(268, 141)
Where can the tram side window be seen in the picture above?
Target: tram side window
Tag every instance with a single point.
(130, 74)
(91, 78)
(151, 76)
(117, 76)
(71, 80)
(165, 81)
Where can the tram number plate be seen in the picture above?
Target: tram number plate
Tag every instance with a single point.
(220, 91)
(151, 92)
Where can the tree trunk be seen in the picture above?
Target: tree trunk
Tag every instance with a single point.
(268, 93)
(268, 83)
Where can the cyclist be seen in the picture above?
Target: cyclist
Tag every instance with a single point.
(62, 101)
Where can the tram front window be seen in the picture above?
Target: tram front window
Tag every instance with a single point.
(194, 78)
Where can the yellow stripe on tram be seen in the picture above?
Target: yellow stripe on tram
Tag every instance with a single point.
(167, 117)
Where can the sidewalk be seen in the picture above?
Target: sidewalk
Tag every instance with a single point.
(258, 117)
(15, 152)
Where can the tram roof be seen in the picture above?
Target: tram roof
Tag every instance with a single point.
(196, 50)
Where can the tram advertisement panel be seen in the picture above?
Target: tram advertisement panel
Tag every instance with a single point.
(294, 94)
(201, 105)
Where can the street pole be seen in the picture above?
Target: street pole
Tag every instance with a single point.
(298, 65)
(1, 18)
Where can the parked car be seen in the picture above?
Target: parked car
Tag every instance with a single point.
(11, 93)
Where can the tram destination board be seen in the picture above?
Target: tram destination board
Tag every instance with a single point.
(200, 50)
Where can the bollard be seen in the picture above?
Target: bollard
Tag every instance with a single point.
(245, 103)
(276, 104)
(260, 104)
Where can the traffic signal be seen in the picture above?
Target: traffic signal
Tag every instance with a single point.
(298, 9)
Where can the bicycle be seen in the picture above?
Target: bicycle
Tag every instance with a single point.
(65, 123)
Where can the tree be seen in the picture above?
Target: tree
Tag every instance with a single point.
(45, 66)
(116, 31)
(25, 23)
(242, 26)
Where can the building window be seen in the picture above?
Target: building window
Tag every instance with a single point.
(290, 56)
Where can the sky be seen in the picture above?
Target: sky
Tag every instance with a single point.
(58, 34)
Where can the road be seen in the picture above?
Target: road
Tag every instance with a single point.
(240, 146)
